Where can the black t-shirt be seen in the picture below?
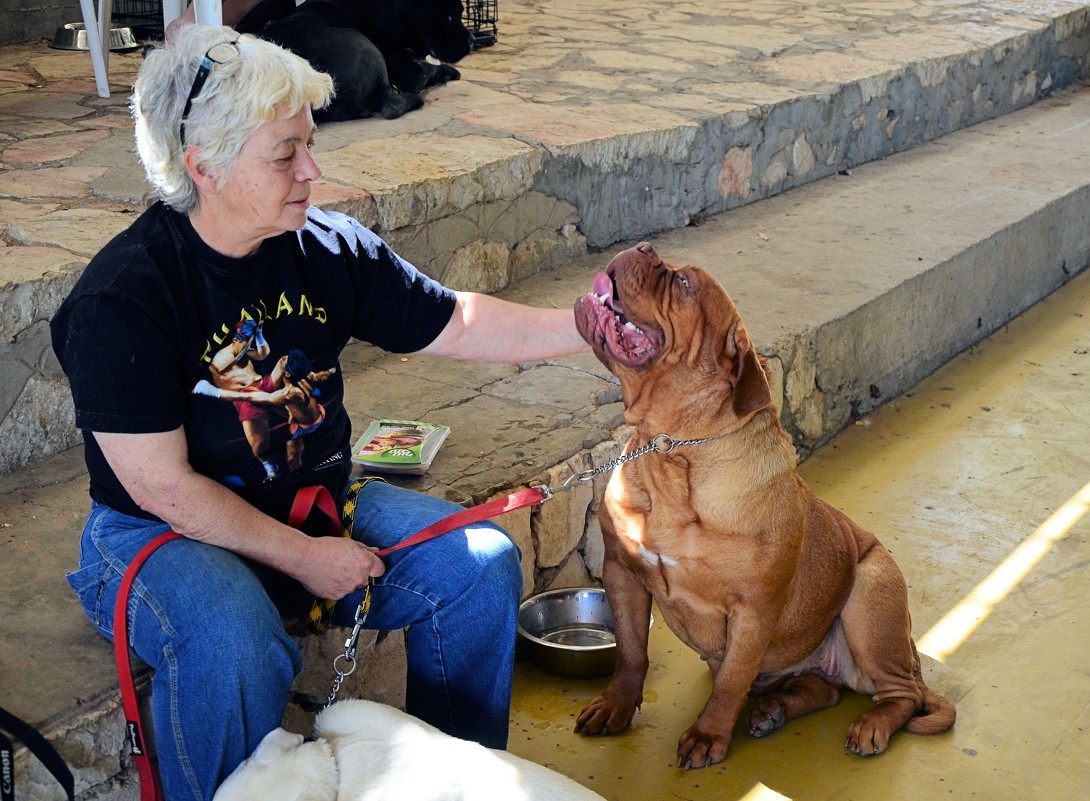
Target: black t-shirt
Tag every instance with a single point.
(263, 13)
(158, 314)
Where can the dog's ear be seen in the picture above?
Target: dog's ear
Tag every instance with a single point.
(751, 389)
(283, 766)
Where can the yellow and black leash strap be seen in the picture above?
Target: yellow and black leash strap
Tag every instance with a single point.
(321, 611)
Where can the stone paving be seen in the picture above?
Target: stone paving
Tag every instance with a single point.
(585, 126)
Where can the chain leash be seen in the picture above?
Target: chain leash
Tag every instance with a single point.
(349, 655)
(663, 443)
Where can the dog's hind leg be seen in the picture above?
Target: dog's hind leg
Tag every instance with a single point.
(791, 698)
(879, 632)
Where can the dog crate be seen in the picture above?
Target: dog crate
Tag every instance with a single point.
(480, 18)
(145, 17)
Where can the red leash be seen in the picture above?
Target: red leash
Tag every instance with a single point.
(306, 499)
(318, 497)
(475, 514)
(150, 790)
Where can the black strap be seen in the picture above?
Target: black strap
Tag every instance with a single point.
(38, 746)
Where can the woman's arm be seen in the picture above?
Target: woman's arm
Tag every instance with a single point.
(155, 470)
(488, 329)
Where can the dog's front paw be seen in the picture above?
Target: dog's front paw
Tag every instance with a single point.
(699, 749)
(605, 716)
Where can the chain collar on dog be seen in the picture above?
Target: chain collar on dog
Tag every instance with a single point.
(663, 443)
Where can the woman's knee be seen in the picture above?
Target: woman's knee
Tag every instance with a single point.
(497, 557)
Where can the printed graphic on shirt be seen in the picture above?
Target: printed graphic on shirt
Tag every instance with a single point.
(329, 230)
(278, 402)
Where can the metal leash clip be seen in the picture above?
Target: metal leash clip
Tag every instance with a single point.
(547, 493)
(349, 655)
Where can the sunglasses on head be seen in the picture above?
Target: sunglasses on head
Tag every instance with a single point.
(217, 54)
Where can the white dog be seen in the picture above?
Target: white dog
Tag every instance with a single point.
(365, 751)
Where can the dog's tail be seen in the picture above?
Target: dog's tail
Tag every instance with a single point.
(937, 713)
(935, 716)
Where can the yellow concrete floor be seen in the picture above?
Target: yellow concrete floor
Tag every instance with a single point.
(977, 481)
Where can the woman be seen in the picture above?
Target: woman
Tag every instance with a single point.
(229, 273)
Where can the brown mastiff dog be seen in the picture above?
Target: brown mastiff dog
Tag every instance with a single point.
(783, 596)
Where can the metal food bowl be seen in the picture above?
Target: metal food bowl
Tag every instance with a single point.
(569, 632)
(73, 36)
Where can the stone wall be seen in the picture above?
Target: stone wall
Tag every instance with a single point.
(36, 414)
(22, 21)
(680, 170)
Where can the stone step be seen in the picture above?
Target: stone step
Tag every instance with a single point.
(855, 287)
(575, 130)
(859, 285)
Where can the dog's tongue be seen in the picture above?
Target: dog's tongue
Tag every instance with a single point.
(603, 285)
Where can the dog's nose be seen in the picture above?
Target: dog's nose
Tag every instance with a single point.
(645, 247)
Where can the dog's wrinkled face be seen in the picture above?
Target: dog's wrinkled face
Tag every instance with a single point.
(602, 321)
(642, 308)
(650, 322)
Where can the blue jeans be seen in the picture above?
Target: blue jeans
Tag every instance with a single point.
(224, 665)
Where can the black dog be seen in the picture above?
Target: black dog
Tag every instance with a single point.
(375, 50)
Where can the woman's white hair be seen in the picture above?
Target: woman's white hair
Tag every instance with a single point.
(240, 95)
